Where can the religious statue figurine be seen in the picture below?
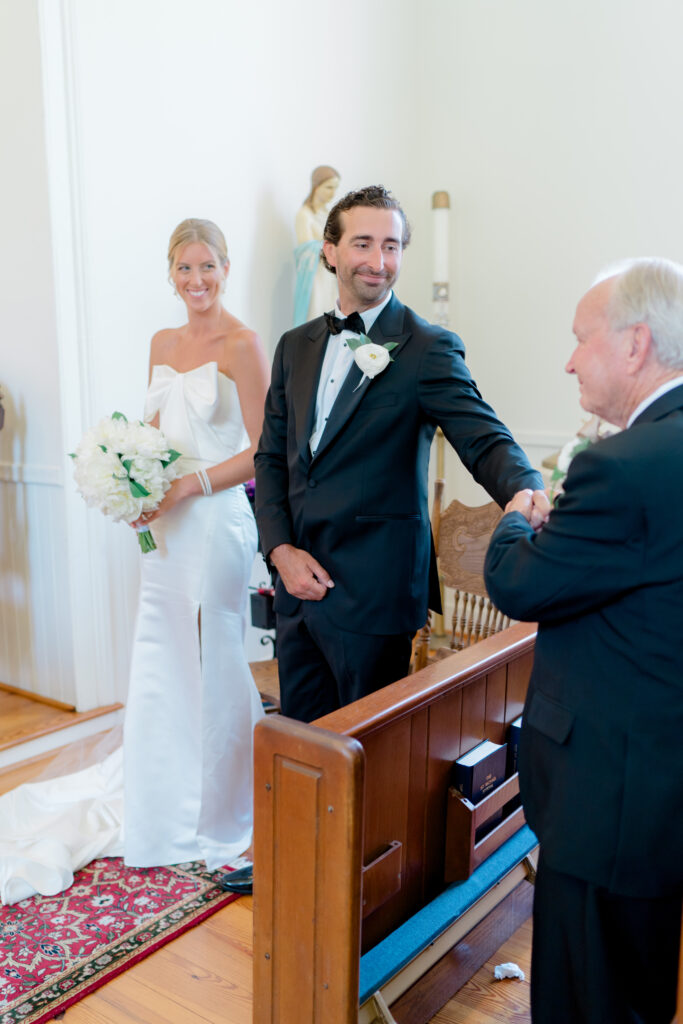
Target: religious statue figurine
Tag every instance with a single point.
(316, 287)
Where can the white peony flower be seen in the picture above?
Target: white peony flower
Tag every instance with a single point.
(112, 433)
(566, 454)
(146, 441)
(371, 359)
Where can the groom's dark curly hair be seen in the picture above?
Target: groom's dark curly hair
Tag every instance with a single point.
(372, 195)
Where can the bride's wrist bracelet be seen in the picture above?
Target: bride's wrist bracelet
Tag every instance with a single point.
(204, 481)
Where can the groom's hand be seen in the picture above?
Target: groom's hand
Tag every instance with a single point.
(533, 505)
(301, 574)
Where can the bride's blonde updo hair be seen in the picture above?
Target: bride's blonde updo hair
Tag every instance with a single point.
(196, 230)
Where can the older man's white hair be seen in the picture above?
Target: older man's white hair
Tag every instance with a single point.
(649, 291)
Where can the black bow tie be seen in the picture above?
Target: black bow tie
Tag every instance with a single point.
(353, 322)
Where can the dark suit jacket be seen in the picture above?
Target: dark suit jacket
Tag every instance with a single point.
(361, 505)
(601, 754)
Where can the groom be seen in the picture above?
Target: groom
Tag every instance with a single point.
(341, 469)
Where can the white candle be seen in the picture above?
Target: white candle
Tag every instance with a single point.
(440, 245)
(441, 209)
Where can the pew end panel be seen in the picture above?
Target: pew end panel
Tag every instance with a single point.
(307, 859)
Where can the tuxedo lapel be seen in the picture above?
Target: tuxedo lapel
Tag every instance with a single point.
(305, 382)
(389, 327)
(386, 328)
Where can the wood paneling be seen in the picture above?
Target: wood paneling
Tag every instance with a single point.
(518, 675)
(495, 722)
(444, 749)
(35, 627)
(473, 720)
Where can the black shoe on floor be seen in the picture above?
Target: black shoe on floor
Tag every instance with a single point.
(240, 881)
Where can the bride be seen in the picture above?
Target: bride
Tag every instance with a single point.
(192, 703)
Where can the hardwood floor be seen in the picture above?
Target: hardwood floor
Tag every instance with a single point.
(24, 717)
(486, 1001)
(205, 975)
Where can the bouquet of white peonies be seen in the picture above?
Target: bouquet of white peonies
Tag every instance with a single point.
(124, 469)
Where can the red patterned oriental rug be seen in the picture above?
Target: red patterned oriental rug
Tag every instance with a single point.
(56, 949)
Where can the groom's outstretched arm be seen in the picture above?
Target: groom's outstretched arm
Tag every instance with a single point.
(486, 447)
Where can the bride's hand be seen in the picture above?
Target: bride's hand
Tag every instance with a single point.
(183, 487)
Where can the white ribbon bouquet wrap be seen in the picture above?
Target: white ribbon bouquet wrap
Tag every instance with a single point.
(124, 469)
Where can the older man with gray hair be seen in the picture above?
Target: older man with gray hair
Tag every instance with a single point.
(601, 753)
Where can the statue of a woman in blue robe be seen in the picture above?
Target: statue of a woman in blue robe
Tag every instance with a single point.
(316, 288)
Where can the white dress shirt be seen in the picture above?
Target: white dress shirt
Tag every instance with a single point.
(669, 385)
(336, 365)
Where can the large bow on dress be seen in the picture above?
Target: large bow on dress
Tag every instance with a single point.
(189, 402)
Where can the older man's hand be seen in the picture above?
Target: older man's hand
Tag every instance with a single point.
(534, 506)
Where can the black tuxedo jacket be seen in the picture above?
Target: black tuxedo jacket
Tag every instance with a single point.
(601, 753)
(361, 505)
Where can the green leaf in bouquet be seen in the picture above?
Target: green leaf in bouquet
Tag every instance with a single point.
(72, 455)
(137, 490)
(172, 456)
(119, 416)
(102, 447)
(126, 463)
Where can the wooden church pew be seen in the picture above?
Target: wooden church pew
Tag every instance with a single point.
(350, 834)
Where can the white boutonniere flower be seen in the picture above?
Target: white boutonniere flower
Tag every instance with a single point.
(370, 358)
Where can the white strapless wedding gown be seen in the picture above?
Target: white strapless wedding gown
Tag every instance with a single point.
(192, 703)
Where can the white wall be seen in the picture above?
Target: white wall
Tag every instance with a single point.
(222, 114)
(557, 134)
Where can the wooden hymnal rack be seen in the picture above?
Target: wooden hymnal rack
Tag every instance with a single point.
(463, 819)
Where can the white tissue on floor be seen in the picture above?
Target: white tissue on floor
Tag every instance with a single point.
(508, 971)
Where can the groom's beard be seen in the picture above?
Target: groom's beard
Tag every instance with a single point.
(368, 287)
